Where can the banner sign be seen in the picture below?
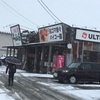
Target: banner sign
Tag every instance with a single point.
(86, 35)
(51, 33)
(16, 35)
(60, 61)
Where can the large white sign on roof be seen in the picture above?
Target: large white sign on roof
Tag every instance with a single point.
(86, 35)
(51, 33)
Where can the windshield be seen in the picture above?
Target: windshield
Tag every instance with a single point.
(74, 65)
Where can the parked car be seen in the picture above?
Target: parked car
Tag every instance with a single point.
(55, 73)
(79, 72)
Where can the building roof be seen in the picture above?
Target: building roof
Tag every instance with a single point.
(5, 33)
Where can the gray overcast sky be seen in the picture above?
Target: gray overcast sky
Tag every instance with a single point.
(79, 13)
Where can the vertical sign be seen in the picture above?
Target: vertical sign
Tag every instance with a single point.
(16, 35)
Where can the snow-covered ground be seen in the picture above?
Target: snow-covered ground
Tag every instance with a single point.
(87, 94)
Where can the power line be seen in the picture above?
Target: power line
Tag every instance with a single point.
(20, 26)
(13, 23)
(8, 9)
(19, 13)
(47, 11)
(50, 11)
(26, 27)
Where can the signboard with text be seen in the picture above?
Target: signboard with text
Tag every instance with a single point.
(87, 35)
(51, 33)
(16, 35)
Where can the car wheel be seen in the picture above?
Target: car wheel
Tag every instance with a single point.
(72, 79)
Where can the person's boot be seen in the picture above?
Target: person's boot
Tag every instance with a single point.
(12, 83)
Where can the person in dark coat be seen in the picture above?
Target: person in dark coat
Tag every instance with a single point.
(11, 69)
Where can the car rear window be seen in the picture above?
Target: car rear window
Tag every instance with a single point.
(74, 65)
(86, 66)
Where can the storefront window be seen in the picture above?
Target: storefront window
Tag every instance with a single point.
(91, 52)
(91, 46)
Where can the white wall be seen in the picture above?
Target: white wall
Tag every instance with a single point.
(5, 40)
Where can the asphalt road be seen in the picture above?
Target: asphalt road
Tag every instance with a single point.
(29, 89)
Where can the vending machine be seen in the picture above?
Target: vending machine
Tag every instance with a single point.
(58, 62)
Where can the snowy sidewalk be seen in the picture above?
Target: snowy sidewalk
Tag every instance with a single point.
(4, 96)
(27, 74)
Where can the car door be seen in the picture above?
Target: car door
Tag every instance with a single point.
(95, 72)
(84, 70)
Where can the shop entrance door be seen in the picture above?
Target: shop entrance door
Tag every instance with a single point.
(93, 56)
(90, 56)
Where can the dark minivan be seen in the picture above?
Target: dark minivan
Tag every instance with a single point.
(79, 72)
